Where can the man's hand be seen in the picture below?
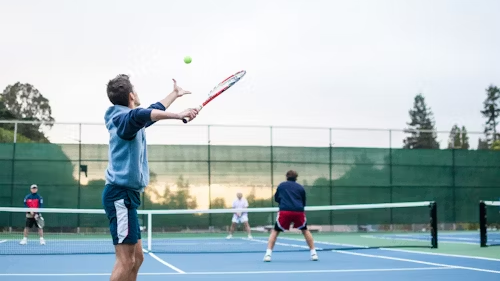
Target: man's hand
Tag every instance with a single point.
(179, 92)
(190, 113)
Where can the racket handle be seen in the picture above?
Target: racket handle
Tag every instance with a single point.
(187, 119)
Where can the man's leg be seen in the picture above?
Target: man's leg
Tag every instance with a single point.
(247, 228)
(121, 210)
(27, 227)
(231, 228)
(139, 258)
(300, 219)
(125, 262)
(282, 224)
(310, 242)
(40, 233)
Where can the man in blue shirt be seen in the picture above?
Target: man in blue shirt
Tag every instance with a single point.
(32, 200)
(291, 197)
(127, 173)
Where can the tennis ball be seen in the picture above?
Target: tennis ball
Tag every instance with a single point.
(187, 59)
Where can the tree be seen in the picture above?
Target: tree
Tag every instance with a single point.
(421, 119)
(25, 102)
(458, 138)
(218, 203)
(181, 199)
(482, 144)
(491, 112)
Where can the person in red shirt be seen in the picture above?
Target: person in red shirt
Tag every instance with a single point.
(32, 200)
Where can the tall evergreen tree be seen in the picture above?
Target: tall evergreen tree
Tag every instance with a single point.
(491, 111)
(458, 138)
(422, 119)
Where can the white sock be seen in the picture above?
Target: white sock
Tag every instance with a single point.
(269, 252)
(313, 252)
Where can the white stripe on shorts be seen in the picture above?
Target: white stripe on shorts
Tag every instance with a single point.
(121, 220)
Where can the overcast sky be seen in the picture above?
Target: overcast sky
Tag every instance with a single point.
(315, 63)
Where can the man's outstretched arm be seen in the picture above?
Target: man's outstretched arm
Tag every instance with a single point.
(130, 123)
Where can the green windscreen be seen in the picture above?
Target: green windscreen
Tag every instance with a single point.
(203, 176)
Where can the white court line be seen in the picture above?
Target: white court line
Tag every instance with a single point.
(417, 261)
(403, 251)
(241, 272)
(400, 259)
(163, 262)
(3, 241)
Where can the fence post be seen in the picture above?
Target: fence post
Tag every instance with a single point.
(209, 178)
(79, 176)
(453, 186)
(12, 175)
(391, 188)
(330, 180)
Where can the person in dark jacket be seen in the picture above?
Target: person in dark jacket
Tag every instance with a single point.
(291, 197)
(32, 200)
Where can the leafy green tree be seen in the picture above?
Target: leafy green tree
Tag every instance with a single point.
(422, 118)
(25, 102)
(491, 111)
(218, 203)
(458, 138)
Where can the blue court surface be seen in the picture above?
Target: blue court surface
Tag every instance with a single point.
(372, 264)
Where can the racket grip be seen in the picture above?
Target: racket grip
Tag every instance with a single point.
(187, 119)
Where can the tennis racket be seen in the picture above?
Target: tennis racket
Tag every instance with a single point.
(219, 89)
(40, 221)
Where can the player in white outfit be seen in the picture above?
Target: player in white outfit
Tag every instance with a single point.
(240, 203)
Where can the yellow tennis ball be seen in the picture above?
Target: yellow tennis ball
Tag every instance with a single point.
(187, 59)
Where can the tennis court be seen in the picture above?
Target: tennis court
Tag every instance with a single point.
(380, 252)
(376, 264)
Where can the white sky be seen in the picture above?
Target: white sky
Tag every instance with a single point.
(310, 63)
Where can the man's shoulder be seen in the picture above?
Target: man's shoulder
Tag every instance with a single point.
(115, 111)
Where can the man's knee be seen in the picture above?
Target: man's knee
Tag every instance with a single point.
(127, 262)
(139, 258)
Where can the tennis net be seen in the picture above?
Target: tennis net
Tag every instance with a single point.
(337, 227)
(489, 223)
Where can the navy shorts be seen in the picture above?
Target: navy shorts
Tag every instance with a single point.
(121, 206)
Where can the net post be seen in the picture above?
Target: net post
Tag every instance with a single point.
(150, 230)
(434, 225)
(483, 222)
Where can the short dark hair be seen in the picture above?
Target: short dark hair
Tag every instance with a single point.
(119, 89)
(291, 175)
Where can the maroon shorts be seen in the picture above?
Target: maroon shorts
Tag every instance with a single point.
(286, 218)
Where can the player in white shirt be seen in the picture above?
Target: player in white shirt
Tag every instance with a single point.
(239, 203)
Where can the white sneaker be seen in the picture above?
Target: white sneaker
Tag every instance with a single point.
(314, 257)
(267, 258)
(42, 241)
(250, 237)
(24, 241)
(229, 236)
